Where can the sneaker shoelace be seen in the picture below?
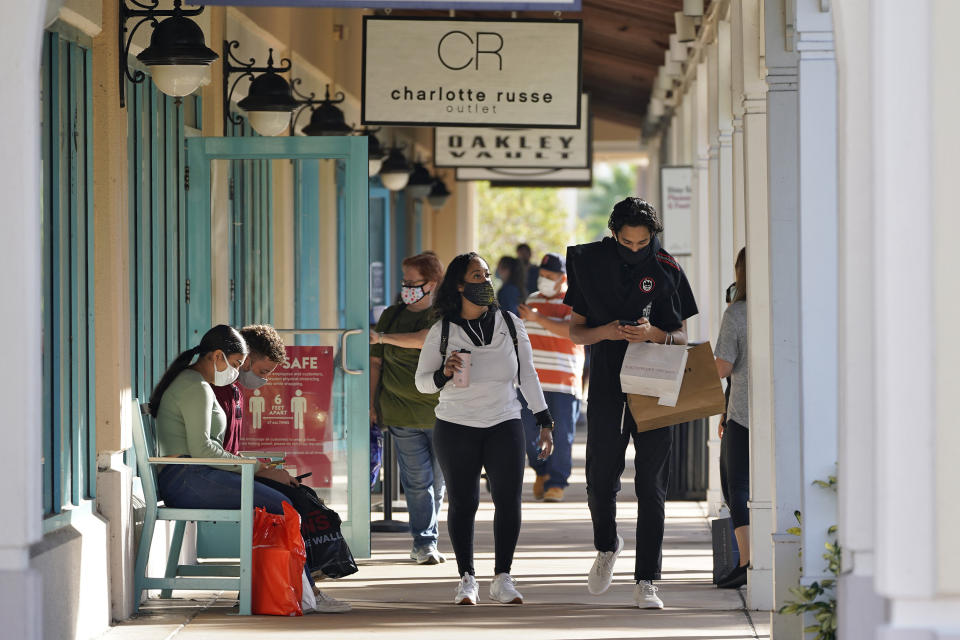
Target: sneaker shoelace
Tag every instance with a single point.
(649, 589)
(604, 561)
(322, 597)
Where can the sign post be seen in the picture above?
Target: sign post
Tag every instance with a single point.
(676, 201)
(474, 73)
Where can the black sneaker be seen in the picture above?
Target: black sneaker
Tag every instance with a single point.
(735, 579)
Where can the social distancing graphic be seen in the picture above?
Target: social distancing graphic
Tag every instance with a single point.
(291, 413)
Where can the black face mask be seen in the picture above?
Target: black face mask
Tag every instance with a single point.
(479, 293)
(635, 257)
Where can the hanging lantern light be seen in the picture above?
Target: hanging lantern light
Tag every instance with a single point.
(439, 194)
(178, 57)
(420, 182)
(328, 120)
(395, 172)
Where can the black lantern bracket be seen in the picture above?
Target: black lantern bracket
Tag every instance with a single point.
(231, 65)
(146, 12)
(311, 101)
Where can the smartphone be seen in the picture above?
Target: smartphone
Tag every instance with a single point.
(462, 378)
(304, 475)
(629, 323)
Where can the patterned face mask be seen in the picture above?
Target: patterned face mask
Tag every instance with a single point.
(479, 293)
(412, 295)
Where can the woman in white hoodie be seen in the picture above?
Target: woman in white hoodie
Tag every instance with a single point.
(478, 423)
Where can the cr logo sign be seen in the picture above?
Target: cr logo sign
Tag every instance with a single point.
(457, 50)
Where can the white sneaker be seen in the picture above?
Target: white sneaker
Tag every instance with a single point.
(427, 555)
(601, 573)
(328, 604)
(645, 595)
(503, 590)
(467, 590)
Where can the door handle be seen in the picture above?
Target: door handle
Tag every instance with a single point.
(343, 352)
(344, 333)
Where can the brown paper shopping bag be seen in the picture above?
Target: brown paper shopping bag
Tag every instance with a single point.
(701, 395)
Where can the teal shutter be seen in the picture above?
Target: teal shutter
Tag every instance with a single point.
(69, 448)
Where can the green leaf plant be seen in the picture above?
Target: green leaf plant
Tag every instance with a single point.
(819, 599)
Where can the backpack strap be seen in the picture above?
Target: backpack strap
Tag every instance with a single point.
(444, 337)
(513, 335)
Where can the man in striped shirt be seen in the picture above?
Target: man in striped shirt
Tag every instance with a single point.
(559, 364)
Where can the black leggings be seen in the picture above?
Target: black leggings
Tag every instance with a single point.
(735, 471)
(463, 451)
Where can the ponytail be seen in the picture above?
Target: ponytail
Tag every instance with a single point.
(221, 337)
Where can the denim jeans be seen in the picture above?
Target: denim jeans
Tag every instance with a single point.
(422, 482)
(565, 409)
(192, 486)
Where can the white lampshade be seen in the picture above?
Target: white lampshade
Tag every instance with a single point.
(374, 166)
(269, 123)
(179, 80)
(395, 180)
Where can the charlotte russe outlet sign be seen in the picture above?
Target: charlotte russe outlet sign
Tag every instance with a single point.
(533, 148)
(475, 73)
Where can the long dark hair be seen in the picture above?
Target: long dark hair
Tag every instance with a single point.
(516, 274)
(740, 268)
(447, 301)
(222, 337)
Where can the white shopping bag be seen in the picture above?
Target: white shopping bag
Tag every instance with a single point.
(651, 369)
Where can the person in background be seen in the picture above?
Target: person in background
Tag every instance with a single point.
(559, 364)
(530, 271)
(396, 404)
(625, 289)
(478, 423)
(512, 291)
(267, 352)
(731, 355)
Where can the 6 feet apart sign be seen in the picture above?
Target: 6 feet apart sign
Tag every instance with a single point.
(291, 413)
(476, 73)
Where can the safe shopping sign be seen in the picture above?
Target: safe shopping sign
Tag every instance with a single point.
(291, 413)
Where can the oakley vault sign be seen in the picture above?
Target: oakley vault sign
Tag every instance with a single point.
(531, 148)
(471, 73)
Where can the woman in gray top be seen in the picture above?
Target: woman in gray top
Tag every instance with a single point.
(731, 355)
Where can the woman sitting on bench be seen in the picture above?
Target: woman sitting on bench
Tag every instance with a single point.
(190, 423)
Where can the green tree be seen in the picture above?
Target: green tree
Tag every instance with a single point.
(594, 204)
(509, 216)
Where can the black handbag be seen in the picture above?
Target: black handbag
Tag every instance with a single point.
(328, 554)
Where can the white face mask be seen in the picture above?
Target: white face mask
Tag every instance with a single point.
(547, 287)
(225, 377)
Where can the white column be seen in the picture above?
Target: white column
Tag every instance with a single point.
(817, 74)
(860, 608)
(702, 276)
(20, 380)
(916, 136)
(750, 87)
(711, 307)
(784, 256)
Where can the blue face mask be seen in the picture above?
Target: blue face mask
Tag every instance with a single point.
(250, 380)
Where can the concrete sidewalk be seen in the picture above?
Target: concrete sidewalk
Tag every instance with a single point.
(395, 599)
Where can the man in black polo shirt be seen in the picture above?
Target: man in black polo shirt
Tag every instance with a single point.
(625, 289)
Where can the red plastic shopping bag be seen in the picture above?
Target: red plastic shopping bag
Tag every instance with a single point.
(278, 557)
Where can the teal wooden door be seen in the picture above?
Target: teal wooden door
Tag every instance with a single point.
(350, 445)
